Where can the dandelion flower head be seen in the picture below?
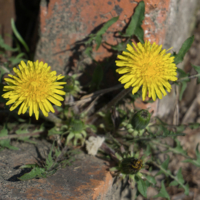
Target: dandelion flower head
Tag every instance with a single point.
(149, 66)
(35, 87)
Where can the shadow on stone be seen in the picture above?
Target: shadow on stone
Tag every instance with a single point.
(16, 177)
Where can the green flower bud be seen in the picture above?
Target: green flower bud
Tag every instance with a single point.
(76, 126)
(130, 165)
(140, 119)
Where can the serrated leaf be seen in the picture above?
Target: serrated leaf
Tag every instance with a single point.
(49, 160)
(164, 165)
(180, 128)
(163, 192)
(173, 183)
(197, 161)
(34, 173)
(107, 25)
(183, 50)
(182, 74)
(194, 125)
(151, 179)
(179, 148)
(142, 187)
(57, 152)
(54, 131)
(197, 69)
(134, 27)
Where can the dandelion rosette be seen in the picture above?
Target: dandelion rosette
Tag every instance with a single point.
(149, 66)
(33, 86)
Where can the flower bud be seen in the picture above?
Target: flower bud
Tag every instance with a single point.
(130, 165)
(140, 119)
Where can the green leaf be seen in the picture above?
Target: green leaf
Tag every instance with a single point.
(173, 183)
(114, 169)
(179, 149)
(88, 52)
(197, 161)
(163, 193)
(194, 125)
(49, 159)
(106, 26)
(182, 74)
(142, 187)
(197, 69)
(184, 49)
(3, 70)
(97, 77)
(98, 40)
(180, 181)
(17, 59)
(180, 128)
(34, 173)
(54, 131)
(134, 28)
(28, 166)
(180, 176)
(5, 46)
(164, 165)
(182, 90)
(18, 36)
(151, 179)
(186, 188)
(6, 143)
(118, 47)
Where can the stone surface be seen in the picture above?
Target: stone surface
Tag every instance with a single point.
(64, 22)
(6, 13)
(179, 25)
(87, 178)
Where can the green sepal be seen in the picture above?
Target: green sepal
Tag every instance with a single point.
(140, 119)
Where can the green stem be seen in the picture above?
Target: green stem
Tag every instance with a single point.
(168, 173)
(170, 149)
(190, 77)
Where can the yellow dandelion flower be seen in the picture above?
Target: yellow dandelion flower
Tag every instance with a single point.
(148, 65)
(33, 86)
